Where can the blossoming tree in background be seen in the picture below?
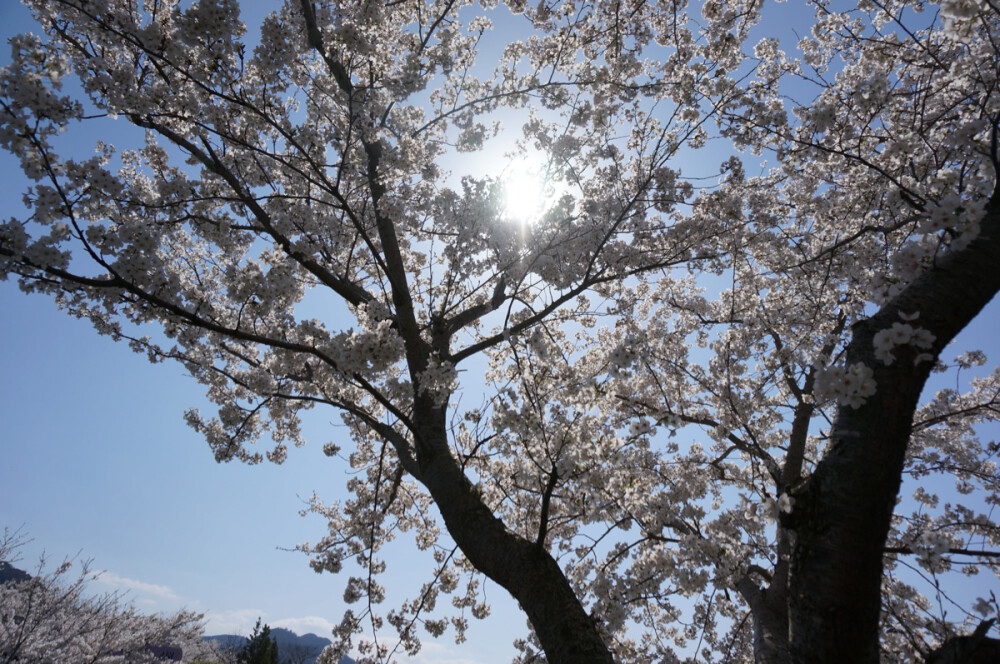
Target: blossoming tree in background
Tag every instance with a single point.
(51, 618)
(701, 397)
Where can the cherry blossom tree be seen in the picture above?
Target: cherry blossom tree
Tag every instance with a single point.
(680, 411)
(51, 617)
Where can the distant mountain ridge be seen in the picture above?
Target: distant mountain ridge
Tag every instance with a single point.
(10, 573)
(288, 643)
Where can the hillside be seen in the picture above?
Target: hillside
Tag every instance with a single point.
(292, 648)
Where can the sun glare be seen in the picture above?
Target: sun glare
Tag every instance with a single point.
(524, 190)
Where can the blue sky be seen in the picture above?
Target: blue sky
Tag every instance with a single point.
(95, 458)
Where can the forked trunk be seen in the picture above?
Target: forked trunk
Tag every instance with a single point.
(842, 513)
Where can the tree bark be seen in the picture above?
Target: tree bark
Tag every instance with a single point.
(842, 512)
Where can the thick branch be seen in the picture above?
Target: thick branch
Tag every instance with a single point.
(417, 350)
(543, 522)
(348, 290)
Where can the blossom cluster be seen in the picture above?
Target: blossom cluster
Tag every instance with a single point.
(623, 355)
(902, 334)
(931, 547)
(847, 385)
(438, 380)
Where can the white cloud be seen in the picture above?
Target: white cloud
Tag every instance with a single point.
(242, 621)
(306, 625)
(432, 652)
(125, 584)
(233, 621)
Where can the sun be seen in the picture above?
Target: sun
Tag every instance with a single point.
(526, 190)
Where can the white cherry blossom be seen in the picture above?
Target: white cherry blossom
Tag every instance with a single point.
(682, 409)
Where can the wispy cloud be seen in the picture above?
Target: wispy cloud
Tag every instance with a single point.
(126, 584)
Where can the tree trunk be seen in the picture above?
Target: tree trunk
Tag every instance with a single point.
(527, 571)
(770, 624)
(842, 513)
(769, 613)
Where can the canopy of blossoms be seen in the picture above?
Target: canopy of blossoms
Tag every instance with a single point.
(672, 411)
